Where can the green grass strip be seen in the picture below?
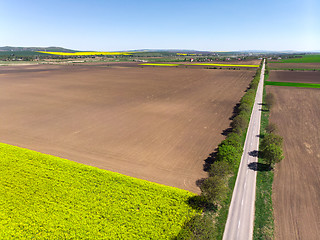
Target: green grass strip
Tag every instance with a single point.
(46, 197)
(293, 84)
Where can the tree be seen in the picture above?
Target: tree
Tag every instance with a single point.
(232, 139)
(200, 227)
(220, 169)
(214, 189)
(245, 107)
(240, 121)
(272, 154)
(271, 138)
(248, 97)
(229, 154)
(237, 131)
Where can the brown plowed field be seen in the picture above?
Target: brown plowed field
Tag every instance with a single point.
(294, 65)
(158, 124)
(296, 187)
(294, 76)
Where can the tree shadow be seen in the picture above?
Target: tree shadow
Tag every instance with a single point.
(235, 111)
(254, 153)
(260, 167)
(210, 160)
(199, 202)
(226, 131)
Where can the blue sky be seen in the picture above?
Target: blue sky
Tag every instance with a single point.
(106, 25)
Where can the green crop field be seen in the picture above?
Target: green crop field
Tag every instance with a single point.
(293, 84)
(302, 59)
(46, 197)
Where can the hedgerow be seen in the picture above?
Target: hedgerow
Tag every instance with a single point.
(217, 188)
(45, 197)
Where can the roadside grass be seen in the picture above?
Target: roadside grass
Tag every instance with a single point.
(223, 212)
(264, 221)
(293, 84)
(46, 197)
(301, 59)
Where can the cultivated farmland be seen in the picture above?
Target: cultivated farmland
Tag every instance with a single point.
(151, 123)
(295, 76)
(306, 66)
(296, 185)
(303, 62)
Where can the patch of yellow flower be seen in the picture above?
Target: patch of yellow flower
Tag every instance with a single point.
(198, 64)
(185, 54)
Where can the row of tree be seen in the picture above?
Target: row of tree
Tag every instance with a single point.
(229, 151)
(271, 144)
(226, 162)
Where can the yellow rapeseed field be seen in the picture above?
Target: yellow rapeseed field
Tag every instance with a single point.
(198, 64)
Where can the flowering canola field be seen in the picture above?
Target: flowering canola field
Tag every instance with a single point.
(46, 197)
(199, 64)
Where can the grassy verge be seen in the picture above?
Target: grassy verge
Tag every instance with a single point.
(293, 84)
(263, 223)
(223, 213)
(46, 197)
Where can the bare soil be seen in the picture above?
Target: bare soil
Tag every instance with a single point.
(294, 76)
(158, 124)
(296, 187)
(294, 65)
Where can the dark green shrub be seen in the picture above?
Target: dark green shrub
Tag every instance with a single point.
(238, 131)
(232, 139)
(245, 107)
(271, 138)
(272, 154)
(220, 169)
(214, 189)
(241, 121)
(200, 227)
(229, 154)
